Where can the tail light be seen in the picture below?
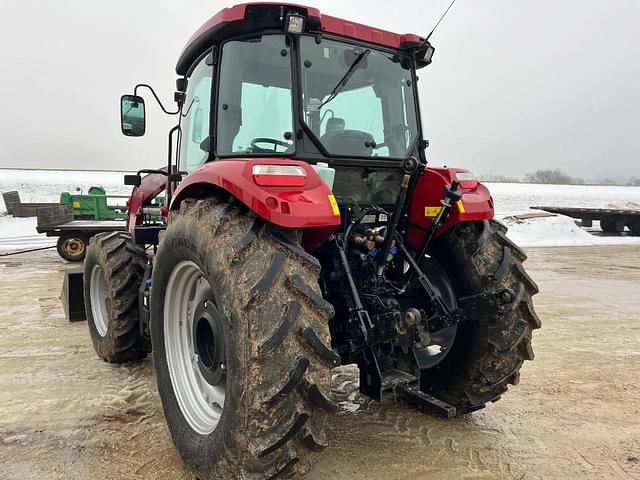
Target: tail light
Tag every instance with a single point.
(279, 175)
(466, 180)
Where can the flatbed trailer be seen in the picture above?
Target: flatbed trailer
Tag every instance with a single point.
(73, 235)
(611, 220)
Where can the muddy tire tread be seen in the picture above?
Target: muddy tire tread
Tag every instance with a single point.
(318, 345)
(313, 296)
(272, 285)
(122, 263)
(293, 381)
(298, 251)
(289, 317)
(290, 431)
(310, 441)
(269, 276)
(480, 371)
(318, 397)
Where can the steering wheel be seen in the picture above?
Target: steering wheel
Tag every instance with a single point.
(276, 143)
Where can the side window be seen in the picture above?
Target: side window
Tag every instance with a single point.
(271, 121)
(195, 115)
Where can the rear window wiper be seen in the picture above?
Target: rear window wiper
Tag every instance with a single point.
(345, 78)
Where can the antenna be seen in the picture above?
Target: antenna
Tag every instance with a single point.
(441, 18)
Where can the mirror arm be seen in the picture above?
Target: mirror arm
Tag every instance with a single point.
(141, 85)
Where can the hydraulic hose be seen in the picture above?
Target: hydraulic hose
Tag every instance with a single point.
(393, 226)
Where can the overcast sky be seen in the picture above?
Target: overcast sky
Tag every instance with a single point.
(515, 85)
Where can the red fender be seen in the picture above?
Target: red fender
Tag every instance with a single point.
(289, 207)
(476, 203)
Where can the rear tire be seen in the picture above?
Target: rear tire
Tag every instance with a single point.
(488, 351)
(273, 322)
(113, 272)
(72, 246)
(611, 226)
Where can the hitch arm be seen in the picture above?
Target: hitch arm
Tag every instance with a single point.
(365, 321)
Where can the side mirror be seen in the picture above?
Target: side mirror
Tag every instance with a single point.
(132, 117)
(132, 180)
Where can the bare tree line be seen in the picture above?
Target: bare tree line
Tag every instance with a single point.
(556, 177)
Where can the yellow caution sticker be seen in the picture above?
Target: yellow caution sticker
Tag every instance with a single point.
(431, 211)
(334, 205)
(460, 206)
(76, 204)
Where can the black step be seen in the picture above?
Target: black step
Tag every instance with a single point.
(428, 403)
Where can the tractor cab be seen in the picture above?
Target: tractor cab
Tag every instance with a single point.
(281, 81)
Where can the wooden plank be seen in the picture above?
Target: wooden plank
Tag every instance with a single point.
(48, 216)
(11, 201)
(18, 209)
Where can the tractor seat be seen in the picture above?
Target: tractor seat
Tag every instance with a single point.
(339, 141)
(334, 124)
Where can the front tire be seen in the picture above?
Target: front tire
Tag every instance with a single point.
(268, 328)
(113, 271)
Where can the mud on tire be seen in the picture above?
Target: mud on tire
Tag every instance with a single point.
(276, 340)
(488, 352)
(113, 271)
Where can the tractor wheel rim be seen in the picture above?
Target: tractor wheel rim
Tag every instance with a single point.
(200, 401)
(73, 246)
(98, 292)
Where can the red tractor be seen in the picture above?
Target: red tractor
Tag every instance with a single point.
(301, 229)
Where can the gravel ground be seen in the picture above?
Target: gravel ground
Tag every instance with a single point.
(64, 414)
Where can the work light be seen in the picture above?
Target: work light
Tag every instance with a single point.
(428, 54)
(294, 23)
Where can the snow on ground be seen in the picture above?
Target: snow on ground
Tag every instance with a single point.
(517, 198)
(559, 231)
(513, 198)
(510, 199)
(20, 233)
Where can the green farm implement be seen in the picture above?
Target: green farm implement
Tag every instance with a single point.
(80, 216)
(96, 205)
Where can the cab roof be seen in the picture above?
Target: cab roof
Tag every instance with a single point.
(254, 17)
